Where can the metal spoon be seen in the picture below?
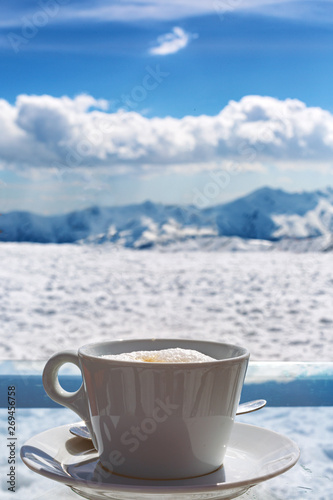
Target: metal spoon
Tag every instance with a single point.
(250, 406)
(81, 430)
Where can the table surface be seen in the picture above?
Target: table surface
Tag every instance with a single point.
(310, 426)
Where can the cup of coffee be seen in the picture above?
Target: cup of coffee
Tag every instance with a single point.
(155, 408)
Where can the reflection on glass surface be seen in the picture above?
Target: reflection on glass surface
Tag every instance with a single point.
(312, 474)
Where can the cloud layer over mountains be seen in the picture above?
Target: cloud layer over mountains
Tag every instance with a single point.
(46, 131)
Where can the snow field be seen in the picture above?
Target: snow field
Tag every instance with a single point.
(279, 305)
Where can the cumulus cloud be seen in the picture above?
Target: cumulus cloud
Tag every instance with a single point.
(171, 42)
(45, 131)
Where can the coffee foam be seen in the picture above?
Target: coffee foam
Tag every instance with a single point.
(174, 355)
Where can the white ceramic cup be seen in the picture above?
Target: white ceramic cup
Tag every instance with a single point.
(155, 420)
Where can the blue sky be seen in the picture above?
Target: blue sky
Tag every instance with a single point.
(119, 102)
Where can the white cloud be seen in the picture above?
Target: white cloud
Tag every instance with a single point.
(45, 131)
(21, 12)
(172, 42)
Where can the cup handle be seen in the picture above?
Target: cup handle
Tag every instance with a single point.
(76, 401)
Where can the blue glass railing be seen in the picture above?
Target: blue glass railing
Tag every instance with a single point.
(280, 383)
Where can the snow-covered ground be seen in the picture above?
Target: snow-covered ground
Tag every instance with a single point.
(52, 297)
(310, 479)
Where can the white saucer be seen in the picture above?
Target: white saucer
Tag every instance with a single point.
(254, 455)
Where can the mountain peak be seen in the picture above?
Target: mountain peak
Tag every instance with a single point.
(266, 213)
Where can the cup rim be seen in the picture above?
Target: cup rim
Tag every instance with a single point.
(82, 352)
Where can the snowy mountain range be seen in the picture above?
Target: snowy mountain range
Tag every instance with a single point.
(265, 218)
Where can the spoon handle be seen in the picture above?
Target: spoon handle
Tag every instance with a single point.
(251, 406)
